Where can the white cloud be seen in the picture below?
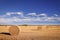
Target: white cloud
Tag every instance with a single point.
(10, 13)
(32, 14)
(55, 15)
(2, 15)
(58, 18)
(19, 13)
(53, 19)
(28, 19)
(43, 15)
(5, 20)
(15, 19)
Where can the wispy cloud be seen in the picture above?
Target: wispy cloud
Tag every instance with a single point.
(56, 15)
(32, 14)
(12, 13)
(43, 15)
(41, 18)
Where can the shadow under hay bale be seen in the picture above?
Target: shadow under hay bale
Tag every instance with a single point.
(5, 33)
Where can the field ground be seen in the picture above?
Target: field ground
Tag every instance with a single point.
(33, 33)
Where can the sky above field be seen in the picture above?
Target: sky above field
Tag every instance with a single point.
(33, 12)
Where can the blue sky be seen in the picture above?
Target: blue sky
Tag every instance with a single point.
(34, 12)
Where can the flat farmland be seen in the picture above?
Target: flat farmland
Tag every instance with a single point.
(32, 32)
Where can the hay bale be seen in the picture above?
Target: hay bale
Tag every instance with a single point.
(14, 30)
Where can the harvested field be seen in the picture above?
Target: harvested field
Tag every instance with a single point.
(51, 32)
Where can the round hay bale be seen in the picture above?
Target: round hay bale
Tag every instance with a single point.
(14, 30)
